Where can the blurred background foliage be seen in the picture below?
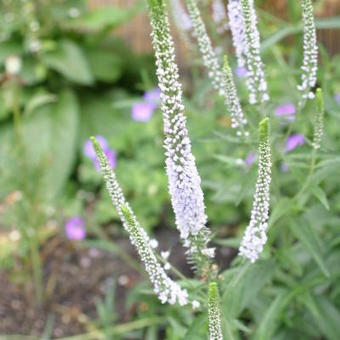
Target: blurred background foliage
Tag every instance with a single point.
(77, 77)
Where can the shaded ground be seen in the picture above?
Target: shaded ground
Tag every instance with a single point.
(75, 278)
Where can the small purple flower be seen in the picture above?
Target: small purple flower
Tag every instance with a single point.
(250, 159)
(153, 97)
(294, 141)
(287, 110)
(89, 150)
(111, 157)
(284, 167)
(337, 98)
(142, 111)
(75, 228)
(241, 72)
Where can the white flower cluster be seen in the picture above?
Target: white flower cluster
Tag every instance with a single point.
(166, 289)
(310, 52)
(255, 235)
(318, 120)
(184, 181)
(214, 314)
(208, 54)
(238, 121)
(256, 81)
(181, 17)
(238, 31)
(219, 16)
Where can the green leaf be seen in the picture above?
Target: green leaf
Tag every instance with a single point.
(38, 100)
(69, 60)
(50, 134)
(268, 323)
(321, 196)
(101, 18)
(105, 65)
(305, 234)
(325, 314)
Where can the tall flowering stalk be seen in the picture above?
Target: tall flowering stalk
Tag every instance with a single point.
(256, 82)
(214, 314)
(232, 102)
(184, 181)
(238, 31)
(166, 289)
(310, 53)
(318, 120)
(222, 81)
(255, 235)
(208, 54)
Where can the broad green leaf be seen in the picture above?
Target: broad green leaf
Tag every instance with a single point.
(50, 138)
(105, 65)
(69, 60)
(38, 100)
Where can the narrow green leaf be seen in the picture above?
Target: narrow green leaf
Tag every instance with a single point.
(306, 236)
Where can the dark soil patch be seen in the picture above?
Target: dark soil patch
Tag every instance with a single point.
(74, 278)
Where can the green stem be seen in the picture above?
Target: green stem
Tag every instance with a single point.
(36, 265)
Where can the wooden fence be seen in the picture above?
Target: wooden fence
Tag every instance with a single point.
(137, 32)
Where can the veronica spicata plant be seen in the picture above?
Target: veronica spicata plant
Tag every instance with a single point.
(183, 178)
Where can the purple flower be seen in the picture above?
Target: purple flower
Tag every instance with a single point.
(250, 159)
(337, 98)
(294, 141)
(241, 72)
(89, 150)
(142, 111)
(287, 110)
(153, 96)
(75, 228)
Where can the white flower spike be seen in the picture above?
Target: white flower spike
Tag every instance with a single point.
(318, 120)
(219, 16)
(255, 235)
(208, 54)
(256, 81)
(184, 181)
(310, 53)
(214, 314)
(166, 289)
(232, 102)
(238, 31)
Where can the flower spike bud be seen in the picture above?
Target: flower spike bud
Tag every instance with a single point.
(210, 59)
(310, 53)
(318, 119)
(214, 314)
(166, 289)
(184, 181)
(256, 82)
(238, 31)
(232, 101)
(255, 235)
